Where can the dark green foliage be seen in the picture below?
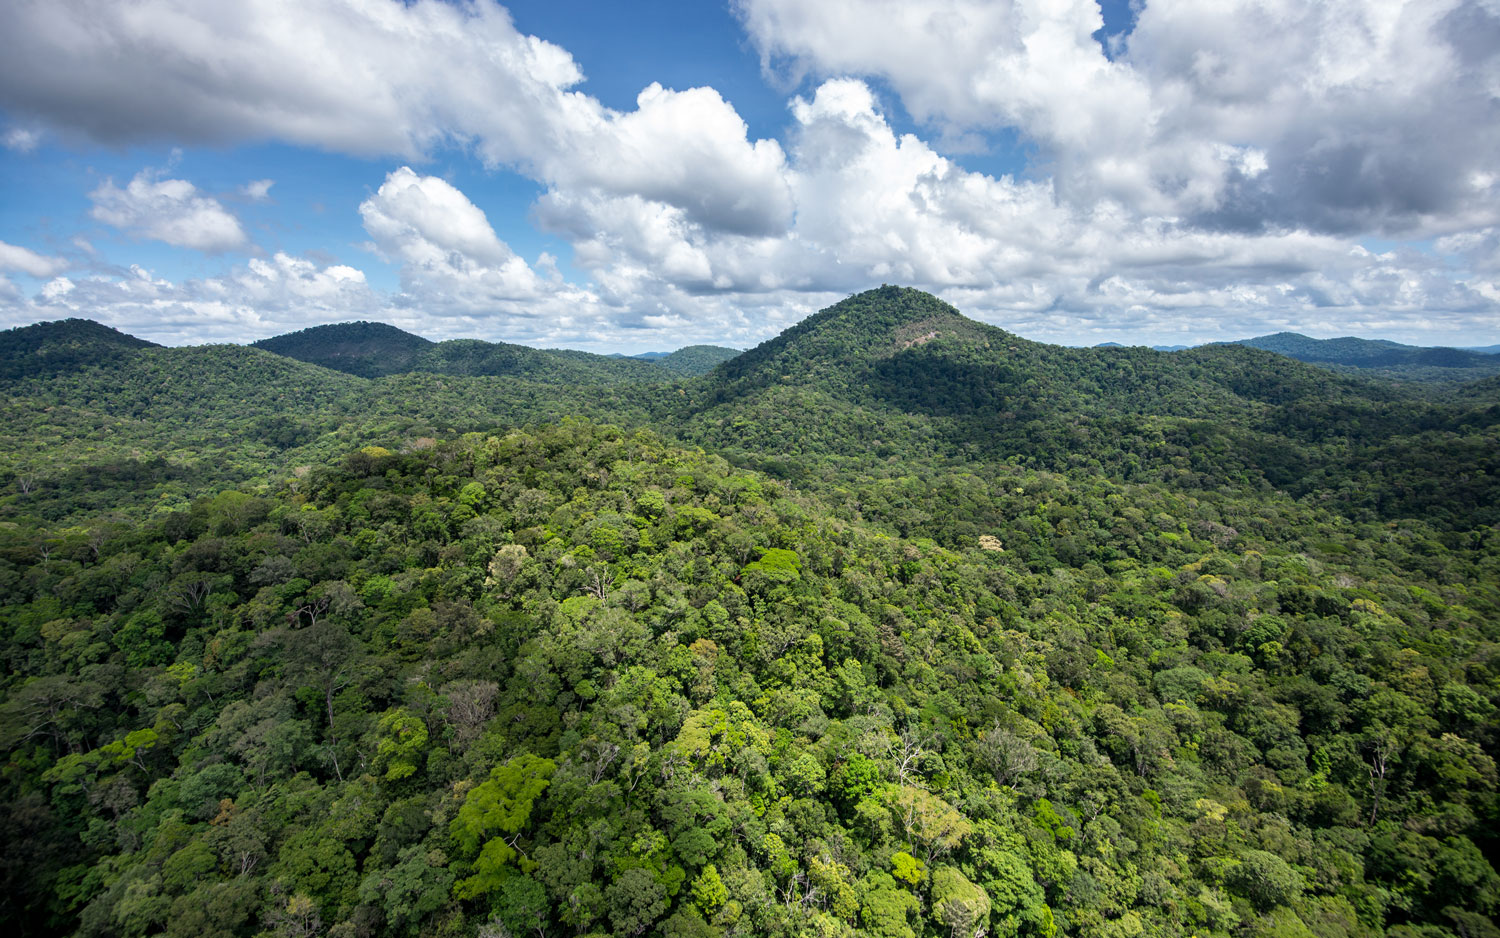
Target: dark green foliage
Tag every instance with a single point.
(376, 350)
(367, 349)
(54, 348)
(695, 360)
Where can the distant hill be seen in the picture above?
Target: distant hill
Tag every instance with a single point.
(366, 349)
(49, 348)
(695, 360)
(1381, 356)
(1158, 348)
(1484, 349)
(377, 350)
(894, 372)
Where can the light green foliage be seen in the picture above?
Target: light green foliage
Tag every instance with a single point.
(778, 564)
(958, 903)
(709, 891)
(497, 807)
(907, 868)
(403, 741)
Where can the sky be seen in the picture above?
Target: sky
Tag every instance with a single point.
(642, 176)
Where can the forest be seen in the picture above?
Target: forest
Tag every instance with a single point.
(897, 624)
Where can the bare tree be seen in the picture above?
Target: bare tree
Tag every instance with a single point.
(911, 748)
(1382, 749)
(1006, 755)
(470, 706)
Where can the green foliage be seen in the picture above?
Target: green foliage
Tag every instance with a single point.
(403, 742)
(1040, 651)
(497, 807)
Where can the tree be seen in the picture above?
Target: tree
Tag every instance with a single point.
(636, 901)
(498, 807)
(930, 823)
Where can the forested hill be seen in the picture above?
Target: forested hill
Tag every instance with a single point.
(49, 348)
(896, 375)
(879, 384)
(1391, 359)
(694, 360)
(367, 349)
(374, 350)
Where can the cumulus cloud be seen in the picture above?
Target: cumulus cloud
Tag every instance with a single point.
(169, 210)
(446, 248)
(375, 77)
(1346, 116)
(261, 298)
(24, 260)
(259, 190)
(873, 206)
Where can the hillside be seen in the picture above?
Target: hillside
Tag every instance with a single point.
(695, 360)
(885, 381)
(1379, 356)
(51, 348)
(576, 679)
(367, 349)
(895, 375)
(376, 350)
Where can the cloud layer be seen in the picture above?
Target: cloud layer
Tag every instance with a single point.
(1214, 173)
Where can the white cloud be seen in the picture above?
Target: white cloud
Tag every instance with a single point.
(26, 261)
(375, 77)
(446, 248)
(21, 139)
(872, 206)
(169, 210)
(258, 190)
(1352, 115)
(264, 297)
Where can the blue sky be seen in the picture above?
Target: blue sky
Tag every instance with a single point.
(643, 176)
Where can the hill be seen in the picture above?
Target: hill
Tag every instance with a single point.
(375, 350)
(1380, 356)
(695, 360)
(881, 383)
(897, 375)
(49, 348)
(367, 349)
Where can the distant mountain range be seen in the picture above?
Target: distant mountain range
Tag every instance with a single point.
(373, 350)
(891, 373)
(1373, 356)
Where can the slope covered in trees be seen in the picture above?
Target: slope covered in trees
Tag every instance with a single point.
(376, 350)
(579, 681)
(1007, 639)
(1382, 357)
(694, 360)
(50, 348)
(367, 349)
